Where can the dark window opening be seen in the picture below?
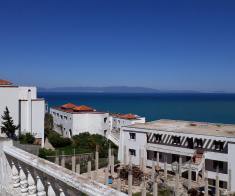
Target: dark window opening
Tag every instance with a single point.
(199, 143)
(176, 140)
(132, 136)
(132, 152)
(219, 145)
(158, 137)
(190, 143)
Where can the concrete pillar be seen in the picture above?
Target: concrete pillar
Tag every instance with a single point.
(57, 160)
(74, 163)
(106, 176)
(177, 184)
(62, 159)
(112, 165)
(140, 158)
(155, 189)
(78, 168)
(165, 168)
(144, 161)
(190, 176)
(119, 188)
(96, 160)
(203, 172)
(124, 156)
(153, 172)
(217, 192)
(129, 183)
(89, 169)
(110, 157)
(143, 187)
(130, 161)
(229, 181)
(158, 159)
(180, 166)
(206, 185)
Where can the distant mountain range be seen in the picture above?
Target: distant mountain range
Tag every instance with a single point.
(112, 89)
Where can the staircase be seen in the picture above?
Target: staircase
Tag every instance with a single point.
(114, 137)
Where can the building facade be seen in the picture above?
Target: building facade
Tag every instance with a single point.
(205, 146)
(25, 108)
(117, 121)
(70, 119)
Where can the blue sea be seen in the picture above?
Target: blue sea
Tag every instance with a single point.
(217, 108)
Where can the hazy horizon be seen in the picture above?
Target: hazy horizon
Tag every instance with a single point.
(165, 45)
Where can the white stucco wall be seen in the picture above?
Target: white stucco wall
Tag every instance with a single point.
(92, 122)
(231, 162)
(38, 112)
(138, 144)
(17, 100)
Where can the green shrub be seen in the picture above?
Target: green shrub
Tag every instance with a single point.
(27, 138)
(43, 153)
(57, 140)
(88, 141)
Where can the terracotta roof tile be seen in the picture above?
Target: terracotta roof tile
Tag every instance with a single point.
(68, 106)
(5, 82)
(83, 108)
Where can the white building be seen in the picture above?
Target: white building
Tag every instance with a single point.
(117, 121)
(202, 145)
(70, 120)
(25, 108)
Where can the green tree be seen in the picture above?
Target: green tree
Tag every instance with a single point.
(8, 126)
(48, 124)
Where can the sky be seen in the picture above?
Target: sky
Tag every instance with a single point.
(167, 45)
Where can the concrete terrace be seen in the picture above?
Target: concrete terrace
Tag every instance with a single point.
(188, 127)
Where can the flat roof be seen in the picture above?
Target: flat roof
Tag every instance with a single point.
(189, 127)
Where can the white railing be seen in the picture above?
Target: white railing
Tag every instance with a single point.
(22, 173)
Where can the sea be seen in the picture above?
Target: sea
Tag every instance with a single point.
(203, 107)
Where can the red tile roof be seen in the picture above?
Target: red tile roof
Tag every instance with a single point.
(126, 116)
(68, 106)
(5, 82)
(83, 108)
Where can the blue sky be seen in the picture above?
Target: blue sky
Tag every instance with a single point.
(159, 44)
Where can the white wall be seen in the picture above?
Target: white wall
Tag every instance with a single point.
(90, 122)
(38, 112)
(231, 162)
(15, 98)
(139, 144)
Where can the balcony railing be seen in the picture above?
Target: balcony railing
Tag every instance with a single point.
(22, 173)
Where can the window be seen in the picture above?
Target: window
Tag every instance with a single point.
(199, 143)
(158, 137)
(105, 120)
(190, 143)
(218, 165)
(65, 117)
(132, 136)
(61, 116)
(132, 152)
(219, 146)
(176, 140)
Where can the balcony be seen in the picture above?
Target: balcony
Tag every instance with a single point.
(22, 173)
